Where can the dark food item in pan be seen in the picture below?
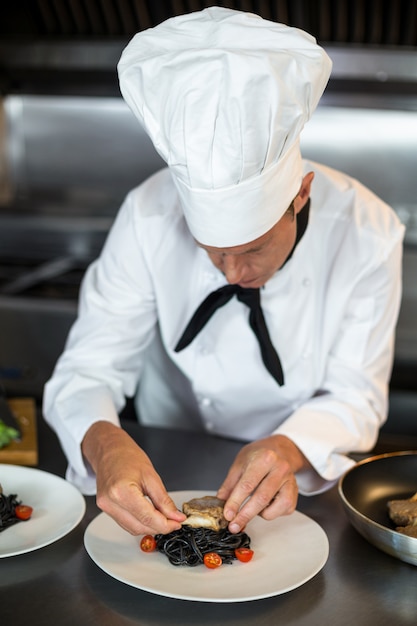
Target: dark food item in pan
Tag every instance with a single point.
(404, 514)
(410, 530)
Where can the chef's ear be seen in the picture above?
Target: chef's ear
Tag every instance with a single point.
(304, 193)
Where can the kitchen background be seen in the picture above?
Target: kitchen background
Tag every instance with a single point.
(70, 150)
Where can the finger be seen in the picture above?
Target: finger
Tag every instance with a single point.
(141, 517)
(258, 467)
(229, 482)
(136, 527)
(253, 506)
(268, 503)
(149, 516)
(234, 474)
(163, 502)
(284, 503)
(128, 505)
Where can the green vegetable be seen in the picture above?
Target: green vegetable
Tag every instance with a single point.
(7, 434)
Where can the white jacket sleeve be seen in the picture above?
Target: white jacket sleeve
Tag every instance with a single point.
(346, 413)
(103, 358)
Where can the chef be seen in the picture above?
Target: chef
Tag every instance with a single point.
(242, 290)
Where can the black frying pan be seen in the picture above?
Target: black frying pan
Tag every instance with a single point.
(372, 482)
(365, 490)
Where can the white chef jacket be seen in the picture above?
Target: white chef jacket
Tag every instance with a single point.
(331, 312)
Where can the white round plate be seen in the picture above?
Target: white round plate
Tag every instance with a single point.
(289, 551)
(57, 508)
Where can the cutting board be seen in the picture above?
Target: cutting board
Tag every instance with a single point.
(25, 451)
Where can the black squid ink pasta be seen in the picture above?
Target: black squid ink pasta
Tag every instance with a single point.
(8, 510)
(187, 546)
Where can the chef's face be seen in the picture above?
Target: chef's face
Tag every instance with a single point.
(254, 263)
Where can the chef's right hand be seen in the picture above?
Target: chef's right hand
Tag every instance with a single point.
(128, 487)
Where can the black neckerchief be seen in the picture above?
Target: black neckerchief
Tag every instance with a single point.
(250, 297)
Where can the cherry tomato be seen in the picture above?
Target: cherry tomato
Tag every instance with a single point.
(23, 511)
(212, 560)
(148, 543)
(244, 554)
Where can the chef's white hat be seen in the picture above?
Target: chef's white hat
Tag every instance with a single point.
(224, 95)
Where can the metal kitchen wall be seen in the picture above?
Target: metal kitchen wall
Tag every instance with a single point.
(54, 45)
(365, 22)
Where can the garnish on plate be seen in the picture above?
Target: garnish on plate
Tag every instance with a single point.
(7, 434)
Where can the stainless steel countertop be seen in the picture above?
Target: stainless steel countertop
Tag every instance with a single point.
(59, 584)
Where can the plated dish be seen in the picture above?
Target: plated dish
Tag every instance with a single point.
(365, 490)
(58, 507)
(289, 551)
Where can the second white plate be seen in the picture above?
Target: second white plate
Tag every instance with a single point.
(57, 508)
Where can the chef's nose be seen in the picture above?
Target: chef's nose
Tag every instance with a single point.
(233, 268)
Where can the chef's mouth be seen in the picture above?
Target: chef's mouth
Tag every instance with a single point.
(254, 283)
(249, 284)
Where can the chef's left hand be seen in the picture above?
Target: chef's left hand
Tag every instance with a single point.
(261, 481)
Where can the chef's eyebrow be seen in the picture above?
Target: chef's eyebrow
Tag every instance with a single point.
(257, 248)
